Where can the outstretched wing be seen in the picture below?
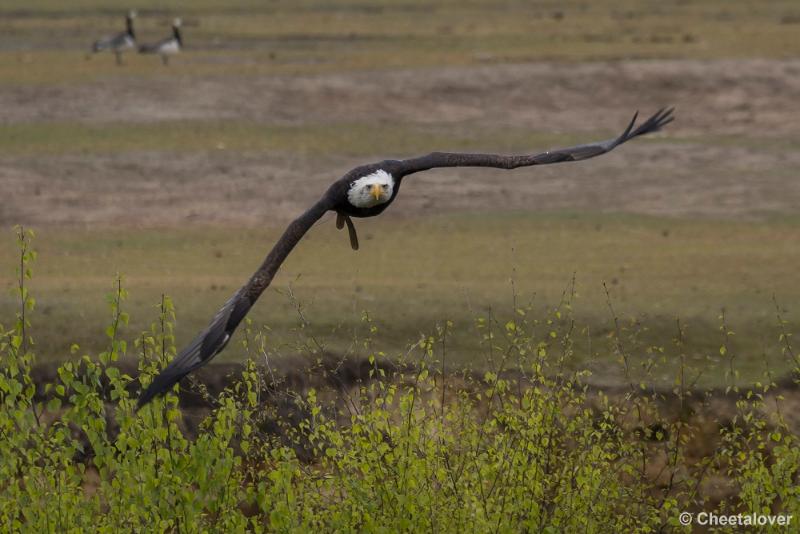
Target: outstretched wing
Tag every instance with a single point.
(574, 153)
(213, 339)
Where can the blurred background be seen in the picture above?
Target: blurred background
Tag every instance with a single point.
(181, 176)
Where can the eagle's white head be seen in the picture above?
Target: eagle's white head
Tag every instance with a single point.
(371, 190)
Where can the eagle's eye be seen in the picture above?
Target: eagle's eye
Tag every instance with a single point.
(385, 187)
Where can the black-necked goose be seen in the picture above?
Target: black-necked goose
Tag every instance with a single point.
(363, 192)
(120, 42)
(166, 47)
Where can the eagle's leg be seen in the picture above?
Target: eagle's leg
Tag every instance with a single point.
(352, 231)
(341, 220)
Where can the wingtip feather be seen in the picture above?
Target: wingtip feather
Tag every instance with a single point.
(161, 384)
(624, 135)
(633, 121)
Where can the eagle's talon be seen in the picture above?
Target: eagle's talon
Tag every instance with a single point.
(351, 229)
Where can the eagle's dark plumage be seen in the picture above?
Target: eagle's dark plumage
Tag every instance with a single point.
(363, 192)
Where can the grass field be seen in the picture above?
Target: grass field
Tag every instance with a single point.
(411, 275)
(181, 178)
(314, 36)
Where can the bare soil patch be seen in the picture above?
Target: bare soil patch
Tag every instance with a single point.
(731, 153)
(717, 97)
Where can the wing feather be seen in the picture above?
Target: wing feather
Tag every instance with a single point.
(216, 335)
(575, 153)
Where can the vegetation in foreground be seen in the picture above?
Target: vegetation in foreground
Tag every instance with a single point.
(522, 447)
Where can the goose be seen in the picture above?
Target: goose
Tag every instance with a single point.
(120, 42)
(365, 191)
(166, 47)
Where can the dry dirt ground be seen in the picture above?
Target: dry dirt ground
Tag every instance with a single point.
(732, 152)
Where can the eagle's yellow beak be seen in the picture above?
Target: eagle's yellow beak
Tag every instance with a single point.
(376, 191)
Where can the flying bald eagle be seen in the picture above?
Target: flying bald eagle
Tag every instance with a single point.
(363, 192)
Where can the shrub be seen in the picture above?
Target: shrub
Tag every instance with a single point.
(525, 446)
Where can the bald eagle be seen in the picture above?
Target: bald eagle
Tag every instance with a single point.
(363, 192)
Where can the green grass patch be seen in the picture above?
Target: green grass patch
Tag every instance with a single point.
(411, 274)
